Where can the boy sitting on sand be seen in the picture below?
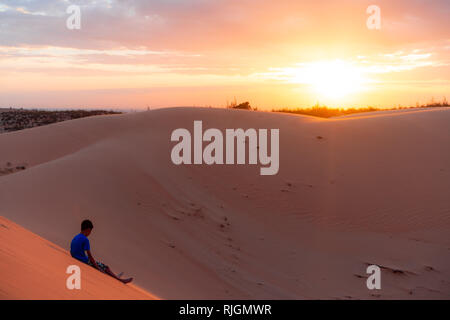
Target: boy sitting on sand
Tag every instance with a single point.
(80, 244)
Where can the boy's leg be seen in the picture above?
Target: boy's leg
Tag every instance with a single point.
(109, 272)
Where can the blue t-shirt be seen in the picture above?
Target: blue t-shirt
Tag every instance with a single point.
(78, 246)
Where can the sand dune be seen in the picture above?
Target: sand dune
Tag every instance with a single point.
(34, 268)
(351, 191)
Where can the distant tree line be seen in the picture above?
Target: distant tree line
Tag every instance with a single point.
(326, 112)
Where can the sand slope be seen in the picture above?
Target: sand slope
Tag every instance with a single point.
(373, 190)
(34, 268)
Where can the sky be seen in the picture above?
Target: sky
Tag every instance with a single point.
(134, 54)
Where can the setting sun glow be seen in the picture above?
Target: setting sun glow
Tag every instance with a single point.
(330, 79)
(138, 54)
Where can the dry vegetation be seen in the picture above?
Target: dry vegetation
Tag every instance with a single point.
(18, 119)
(326, 112)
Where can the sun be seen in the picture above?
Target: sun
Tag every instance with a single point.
(330, 79)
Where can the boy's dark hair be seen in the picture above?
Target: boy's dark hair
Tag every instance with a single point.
(86, 224)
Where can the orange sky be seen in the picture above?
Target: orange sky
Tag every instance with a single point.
(134, 54)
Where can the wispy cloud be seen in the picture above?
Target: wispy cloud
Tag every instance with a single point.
(125, 43)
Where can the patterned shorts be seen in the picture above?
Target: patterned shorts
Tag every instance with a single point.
(101, 265)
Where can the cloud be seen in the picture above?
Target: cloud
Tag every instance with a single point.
(208, 24)
(186, 41)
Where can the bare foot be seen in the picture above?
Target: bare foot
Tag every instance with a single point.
(126, 280)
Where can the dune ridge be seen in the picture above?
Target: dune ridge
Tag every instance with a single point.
(351, 191)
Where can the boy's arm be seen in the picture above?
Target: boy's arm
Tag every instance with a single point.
(91, 259)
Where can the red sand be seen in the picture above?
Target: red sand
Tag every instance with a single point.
(34, 268)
